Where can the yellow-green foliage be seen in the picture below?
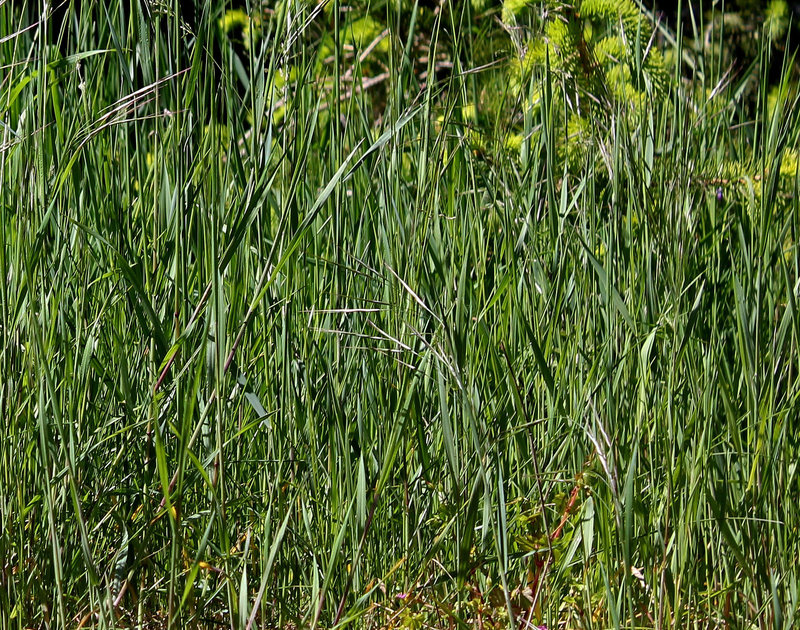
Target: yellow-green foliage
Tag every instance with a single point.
(578, 142)
(622, 41)
(776, 19)
(603, 48)
(363, 31)
(232, 20)
(600, 53)
(558, 49)
(359, 34)
(734, 172)
(744, 182)
(512, 9)
(562, 42)
(790, 165)
(779, 96)
(513, 142)
(469, 113)
(624, 12)
(237, 25)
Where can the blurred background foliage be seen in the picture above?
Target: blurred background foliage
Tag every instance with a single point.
(606, 55)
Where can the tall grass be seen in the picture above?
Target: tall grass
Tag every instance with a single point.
(282, 348)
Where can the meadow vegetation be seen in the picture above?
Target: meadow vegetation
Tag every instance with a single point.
(398, 315)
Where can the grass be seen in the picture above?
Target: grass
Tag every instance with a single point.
(283, 347)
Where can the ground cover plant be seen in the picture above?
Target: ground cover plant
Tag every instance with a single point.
(398, 315)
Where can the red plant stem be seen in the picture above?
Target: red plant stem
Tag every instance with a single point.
(573, 497)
